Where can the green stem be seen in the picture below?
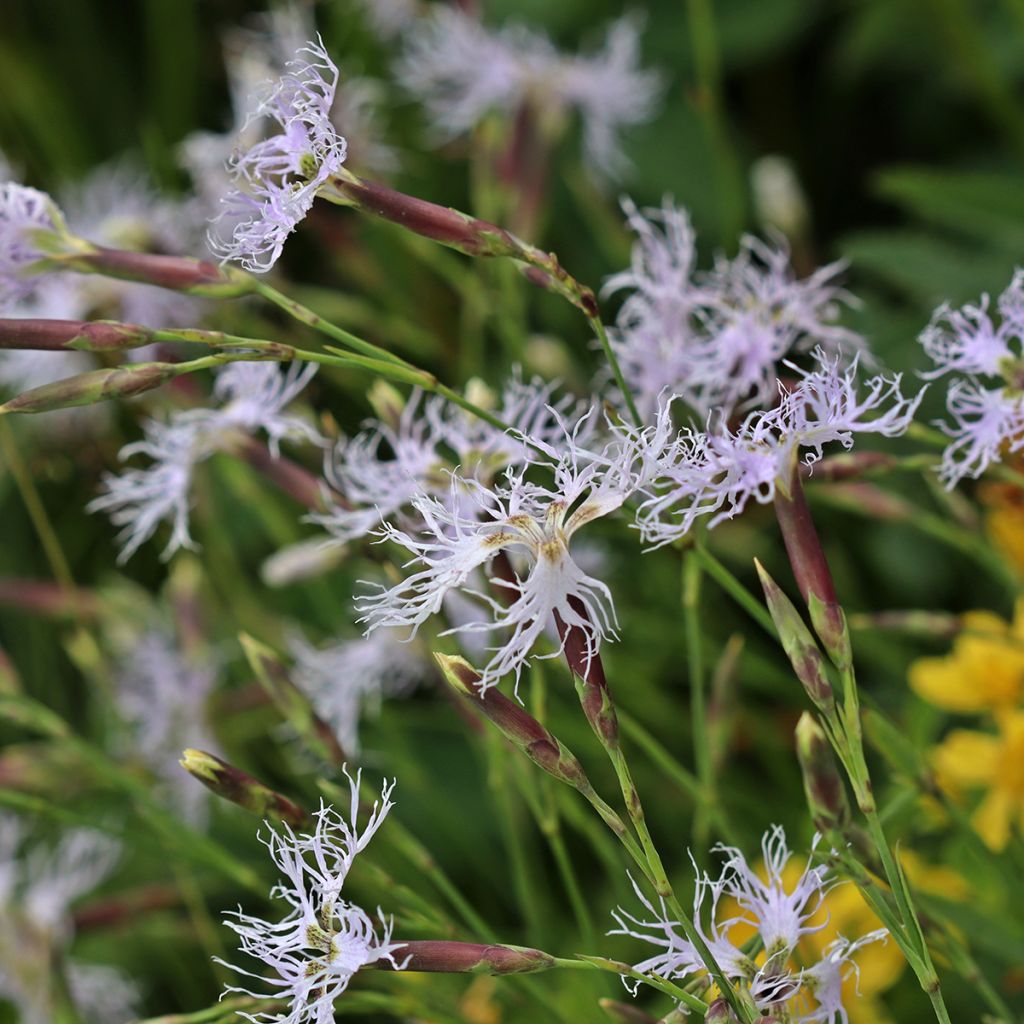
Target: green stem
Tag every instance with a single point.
(698, 697)
(735, 589)
(35, 508)
(599, 963)
(709, 90)
(602, 336)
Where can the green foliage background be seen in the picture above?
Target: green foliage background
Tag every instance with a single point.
(904, 121)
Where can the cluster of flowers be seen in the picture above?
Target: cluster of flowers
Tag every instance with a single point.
(715, 339)
(987, 418)
(37, 889)
(779, 916)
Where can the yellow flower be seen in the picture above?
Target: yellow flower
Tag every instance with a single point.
(1005, 520)
(967, 759)
(843, 912)
(984, 671)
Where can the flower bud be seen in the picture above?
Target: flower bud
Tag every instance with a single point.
(177, 273)
(51, 600)
(88, 336)
(624, 1013)
(290, 701)
(241, 788)
(798, 644)
(516, 724)
(823, 785)
(719, 1012)
(91, 387)
(447, 957)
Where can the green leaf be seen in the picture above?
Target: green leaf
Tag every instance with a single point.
(989, 207)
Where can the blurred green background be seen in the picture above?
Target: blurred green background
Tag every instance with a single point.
(904, 123)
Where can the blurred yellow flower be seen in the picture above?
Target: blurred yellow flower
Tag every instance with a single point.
(967, 759)
(1005, 520)
(984, 671)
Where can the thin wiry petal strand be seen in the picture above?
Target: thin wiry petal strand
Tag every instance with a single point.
(276, 179)
(965, 340)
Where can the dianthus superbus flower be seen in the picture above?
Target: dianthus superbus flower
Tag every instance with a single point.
(379, 472)
(461, 71)
(276, 179)
(984, 399)
(523, 519)
(715, 339)
(717, 471)
(323, 940)
(776, 904)
(254, 396)
(349, 678)
(38, 887)
(26, 214)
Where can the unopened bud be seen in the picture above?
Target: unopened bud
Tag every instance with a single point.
(624, 1013)
(778, 197)
(241, 788)
(719, 1012)
(303, 560)
(588, 669)
(799, 645)
(386, 401)
(829, 621)
(51, 600)
(290, 701)
(91, 387)
(447, 957)
(177, 273)
(823, 785)
(516, 724)
(86, 335)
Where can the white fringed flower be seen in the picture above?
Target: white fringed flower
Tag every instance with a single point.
(461, 71)
(389, 18)
(716, 339)
(985, 422)
(377, 474)
(26, 216)
(323, 940)
(717, 471)
(522, 518)
(162, 696)
(277, 179)
(985, 400)
(38, 887)
(140, 499)
(780, 916)
(349, 679)
(612, 92)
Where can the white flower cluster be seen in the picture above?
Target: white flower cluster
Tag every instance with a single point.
(780, 916)
(162, 696)
(461, 71)
(323, 940)
(377, 474)
(716, 339)
(37, 888)
(253, 397)
(988, 417)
